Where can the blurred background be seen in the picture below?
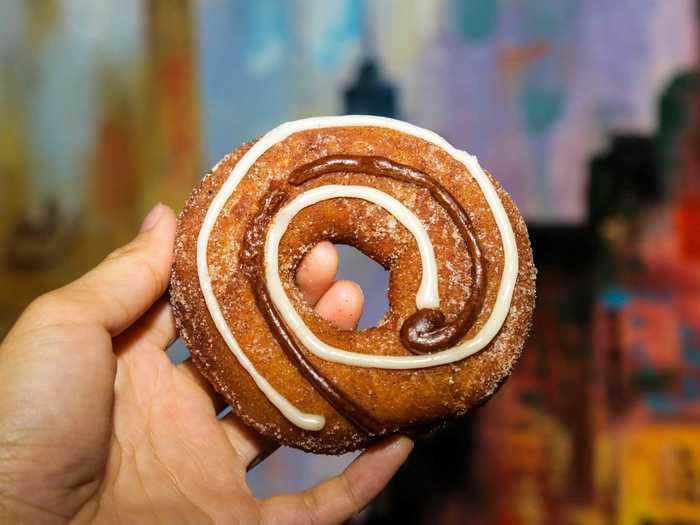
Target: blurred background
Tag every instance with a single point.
(588, 111)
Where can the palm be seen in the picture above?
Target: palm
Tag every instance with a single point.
(119, 433)
(168, 447)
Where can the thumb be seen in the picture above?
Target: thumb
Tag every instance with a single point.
(57, 374)
(122, 287)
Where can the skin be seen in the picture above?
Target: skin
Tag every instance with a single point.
(97, 425)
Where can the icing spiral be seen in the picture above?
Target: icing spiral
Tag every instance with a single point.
(424, 331)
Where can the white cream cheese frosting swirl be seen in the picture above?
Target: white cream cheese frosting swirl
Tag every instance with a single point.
(427, 295)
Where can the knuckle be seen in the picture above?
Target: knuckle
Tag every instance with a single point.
(136, 256)
(311, 506)
(122, 252)
(156, 277)
(349, 492)
(51, 309)
(47, 303)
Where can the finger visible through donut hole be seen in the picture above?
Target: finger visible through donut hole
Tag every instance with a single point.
(331, 273)
(372, 278)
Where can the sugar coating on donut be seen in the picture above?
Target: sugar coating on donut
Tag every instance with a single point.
(400, 399)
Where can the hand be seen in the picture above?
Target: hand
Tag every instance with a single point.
(96, 424)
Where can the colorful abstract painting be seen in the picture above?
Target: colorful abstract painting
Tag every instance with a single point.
(108, 107)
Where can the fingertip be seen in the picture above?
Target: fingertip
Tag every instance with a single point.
(342, 304)
(160, 221)
(339, 498)
(157, 236)
(397, 447)
(374, 468)
(169, 214)
(129, 280)
(390, 452)
(400, 445)
(151, 218)
(317, 270)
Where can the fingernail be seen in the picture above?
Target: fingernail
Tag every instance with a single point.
(152, 218)
(402, 442)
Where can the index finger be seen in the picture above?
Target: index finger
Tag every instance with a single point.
(317, 270)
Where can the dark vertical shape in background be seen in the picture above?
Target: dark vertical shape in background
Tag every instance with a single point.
(678, 146)
(370, 94)
(439, 468)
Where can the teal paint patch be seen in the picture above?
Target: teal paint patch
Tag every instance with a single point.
(615, 298)
(477, 19)
(541, 105)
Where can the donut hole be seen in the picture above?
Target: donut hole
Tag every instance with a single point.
(372, 278)
(373, 251)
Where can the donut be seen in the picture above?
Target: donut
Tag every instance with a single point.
(461, 281)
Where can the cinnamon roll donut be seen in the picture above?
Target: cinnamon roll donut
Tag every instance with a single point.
(461, 289)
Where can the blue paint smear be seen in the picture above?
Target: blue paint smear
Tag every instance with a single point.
(345, 30)
(240, 101)
(691, 388)
(266, 25)
(691, 356)
(615, 298)
(660, 403)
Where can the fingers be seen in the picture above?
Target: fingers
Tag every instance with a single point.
(265, 453)
(342, 304)
(156, 328)
(339, 498)
(121, 288)
(339, 302)
(251, 447)
(188, 370)
(317, 270)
